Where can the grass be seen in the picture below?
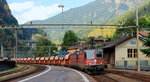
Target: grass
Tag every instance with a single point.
(14, 69)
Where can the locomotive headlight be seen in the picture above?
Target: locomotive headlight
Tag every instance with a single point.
(95, 60)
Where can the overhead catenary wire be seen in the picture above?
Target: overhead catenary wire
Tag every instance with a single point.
(107, 7)
(56, 26)
(114, 12)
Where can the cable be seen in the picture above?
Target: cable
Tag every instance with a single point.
(115, 10)
(105, 9)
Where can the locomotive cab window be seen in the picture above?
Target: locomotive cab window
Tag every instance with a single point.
(99, 54)
(90, 55)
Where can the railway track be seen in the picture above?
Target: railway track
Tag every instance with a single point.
(38, 68)
(16, 71)
(117, 76)
(136, 76)
(106, 76)
(103, 78)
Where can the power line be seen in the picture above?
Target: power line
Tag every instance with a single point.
(105, 9)
(115, 10)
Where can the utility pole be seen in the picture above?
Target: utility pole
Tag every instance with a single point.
(137, 36)
(49, 54)
(61, 6)
(16, 43)
(2, 55)
(14, 52)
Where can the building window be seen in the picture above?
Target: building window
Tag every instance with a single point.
(129, 53)
(132, 53)
(135, 53)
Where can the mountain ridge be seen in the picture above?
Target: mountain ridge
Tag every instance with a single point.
(6, 18)
(98, 11)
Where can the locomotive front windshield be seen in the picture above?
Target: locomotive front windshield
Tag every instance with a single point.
(99, 54)
(90, 55)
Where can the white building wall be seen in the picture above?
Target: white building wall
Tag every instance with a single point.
(121, 51)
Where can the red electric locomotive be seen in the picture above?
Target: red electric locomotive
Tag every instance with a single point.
(90, 61)
(73, 62)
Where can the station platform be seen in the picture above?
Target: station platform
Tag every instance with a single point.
(147, 73)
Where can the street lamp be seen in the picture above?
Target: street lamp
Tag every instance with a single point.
(61, 6)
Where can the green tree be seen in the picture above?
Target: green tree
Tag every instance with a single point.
(42, 49)
(70, 39)
(144, 24)
(7, 38)
(147, 44)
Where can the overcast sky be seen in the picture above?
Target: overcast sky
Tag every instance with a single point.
(27, 10)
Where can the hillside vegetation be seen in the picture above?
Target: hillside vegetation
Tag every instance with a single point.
(98, 11)
(129, 18)
(7, 36)
(144, 11)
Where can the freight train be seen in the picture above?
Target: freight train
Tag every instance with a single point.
(90, 60)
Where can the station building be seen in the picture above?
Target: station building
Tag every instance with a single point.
(122, 53)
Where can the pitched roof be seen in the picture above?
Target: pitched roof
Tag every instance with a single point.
(125, 38)
(80, 46)
(117, 42)
(101, 39)
(143, 33)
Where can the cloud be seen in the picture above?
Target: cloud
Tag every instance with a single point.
(118, 1)
(28, 11)
(19, 7)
